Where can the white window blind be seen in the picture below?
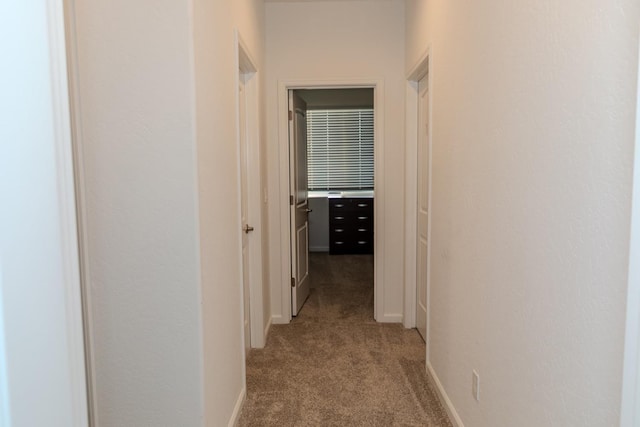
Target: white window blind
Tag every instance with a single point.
(340, 149)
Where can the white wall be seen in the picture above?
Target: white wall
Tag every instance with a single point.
(333, 41)
(42, 378)
(319, 224)
(216, 88)
(533, 109)
(158, 112)
(138, 163)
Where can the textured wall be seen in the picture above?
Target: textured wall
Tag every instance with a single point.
(215, 70)
(533, 109)
(342, 40)
(136, 99)
(158, 102)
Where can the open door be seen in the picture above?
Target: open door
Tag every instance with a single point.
(423, 208)
(298, 202)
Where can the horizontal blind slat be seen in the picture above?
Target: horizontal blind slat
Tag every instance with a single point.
(340, 149)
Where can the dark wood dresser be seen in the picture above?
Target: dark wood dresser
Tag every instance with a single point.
(351, 225)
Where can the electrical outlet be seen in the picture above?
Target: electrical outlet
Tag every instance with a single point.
(475, 386)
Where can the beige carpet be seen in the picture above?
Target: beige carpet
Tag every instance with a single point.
(335, 366)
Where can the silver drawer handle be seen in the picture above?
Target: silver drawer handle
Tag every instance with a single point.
(338, 243)
(338, 205)
(362, 242)
(362, 229)
(362, 205)
(339, 217)
(338, 230)
(363, 217)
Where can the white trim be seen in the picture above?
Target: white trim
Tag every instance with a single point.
(277, 319)
(410, 166)
(81, 211)
(246, 67)
(630, 407)
(417, 72)
(68, 222)
(235, 415)
(197, 213)
(391, 318)
(283, 205)
(444, 398)
(421, 69)
(238, 222)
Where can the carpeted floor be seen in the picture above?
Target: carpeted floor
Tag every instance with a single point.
(335, 366)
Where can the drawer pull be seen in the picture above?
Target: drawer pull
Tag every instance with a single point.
(338, 230)
(363, 205)
(363, 217)
(362, 242)
(338, 205)
(338, 243)
(361, 229)
(338, 217)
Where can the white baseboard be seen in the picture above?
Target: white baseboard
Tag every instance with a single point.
(390, 318)
(444, 399)
(318, 248)
(277, 319)
(235, 416)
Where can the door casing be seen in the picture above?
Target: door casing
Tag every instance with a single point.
(422, 207)
(285, 230)
(421, 69)
(248, 73)
(630, 406)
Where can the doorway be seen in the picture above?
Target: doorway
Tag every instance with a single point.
(418, 202)
(332, 178)
(244, 212)
(250, 198)
(423, 208)
(290, 203)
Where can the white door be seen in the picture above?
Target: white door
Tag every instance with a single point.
(298, 201)
(244, 212)
(423, 208)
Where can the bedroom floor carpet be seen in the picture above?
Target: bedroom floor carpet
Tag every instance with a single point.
(333, 365)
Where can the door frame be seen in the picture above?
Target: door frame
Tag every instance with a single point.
(421, 69)
(247, 70)
(80, 207)
(630, 406)
(60, 50)
(284, 181)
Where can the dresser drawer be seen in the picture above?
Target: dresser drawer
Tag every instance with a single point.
(362, 205)
(351, 205)
(351, 226)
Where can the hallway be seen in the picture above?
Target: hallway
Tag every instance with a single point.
(334, 365)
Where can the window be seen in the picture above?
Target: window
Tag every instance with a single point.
(340, 149)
